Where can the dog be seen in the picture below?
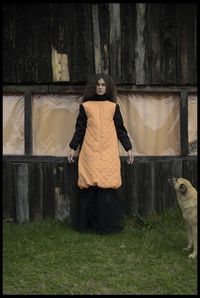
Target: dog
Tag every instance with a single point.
(187, 199)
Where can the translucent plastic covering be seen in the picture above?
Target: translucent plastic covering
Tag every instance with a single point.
(53, 123)
(152, 121)
(13, 124)
(192, 124)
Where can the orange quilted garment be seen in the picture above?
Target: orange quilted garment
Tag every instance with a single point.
(99, 162)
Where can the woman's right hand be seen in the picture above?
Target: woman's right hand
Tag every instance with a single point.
(71, 155)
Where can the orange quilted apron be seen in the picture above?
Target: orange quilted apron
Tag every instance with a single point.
(99, 162)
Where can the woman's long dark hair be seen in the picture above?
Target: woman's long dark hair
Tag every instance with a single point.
(90, 89)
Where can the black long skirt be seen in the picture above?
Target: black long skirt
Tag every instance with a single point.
(98, 210)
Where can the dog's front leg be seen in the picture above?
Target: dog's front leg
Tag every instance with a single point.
(189, 238)
(194, 235)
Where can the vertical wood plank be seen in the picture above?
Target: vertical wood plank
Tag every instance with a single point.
(9, 213)
(60, 43)
(146, 188)
(103, 11)
(186, 43)
(96, 38)
(190, 171)
(123, 189)
(62, 202)
(167, 28)
(71, 185)
(176, 171)
(21, 177)
(35, 192)
(132, 188)
(48, 191)
(115, 41)
(43, 41)
(26, 41)
(140, 48)
(81, 56)
(9, 43)
(128, 31)
(153, 43)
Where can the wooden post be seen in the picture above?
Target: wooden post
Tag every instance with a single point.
(28, 123)
(184, 122)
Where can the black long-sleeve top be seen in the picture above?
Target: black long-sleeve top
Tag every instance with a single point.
(81, 124)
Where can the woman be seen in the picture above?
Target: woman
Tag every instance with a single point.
(98, 127)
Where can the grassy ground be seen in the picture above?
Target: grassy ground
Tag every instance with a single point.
(146, 258)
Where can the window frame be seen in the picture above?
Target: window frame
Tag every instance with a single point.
(28, 92)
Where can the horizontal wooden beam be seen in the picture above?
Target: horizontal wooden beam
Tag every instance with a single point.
(79, 89)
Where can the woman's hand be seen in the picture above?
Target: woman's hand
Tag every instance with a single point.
(71, 155)
(130, 157)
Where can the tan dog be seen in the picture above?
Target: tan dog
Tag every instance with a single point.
(187, 199)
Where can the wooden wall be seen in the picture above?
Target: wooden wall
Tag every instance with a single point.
(48, 189)
(59, 45)
(137, 44)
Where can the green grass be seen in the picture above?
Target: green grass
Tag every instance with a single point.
(146, 258)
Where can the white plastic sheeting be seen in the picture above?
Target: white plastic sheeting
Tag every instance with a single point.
(152, 121)
(54, 119)
(13, 124)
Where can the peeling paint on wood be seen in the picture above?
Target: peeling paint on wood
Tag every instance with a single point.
(59, 66)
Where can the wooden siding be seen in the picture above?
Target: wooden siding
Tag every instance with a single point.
(48, 189)
(138, 43)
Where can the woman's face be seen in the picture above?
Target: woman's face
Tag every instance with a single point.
(101, 87)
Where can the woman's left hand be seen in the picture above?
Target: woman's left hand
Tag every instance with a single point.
(130, 157)
(71, 155)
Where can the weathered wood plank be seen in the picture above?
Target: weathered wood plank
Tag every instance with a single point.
(153, 43)
(96, 39)
(26, 45)
(186, 68)
(123, 190)
(81, 56)
(43, 41)
(9, 43)
(21, 177)
(8, 193)
(62, 201)
(35, 191)
(60, 41)
(176, 171)
(190, 171)
(146, 188)
(140, 47)
(132, 188)
(39, 192)
(128, 32)
(71, 187)
(103, 11)
(48, 191)
(167, 29)
(115, 41)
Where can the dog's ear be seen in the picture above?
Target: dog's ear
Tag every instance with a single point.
(182, 188)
